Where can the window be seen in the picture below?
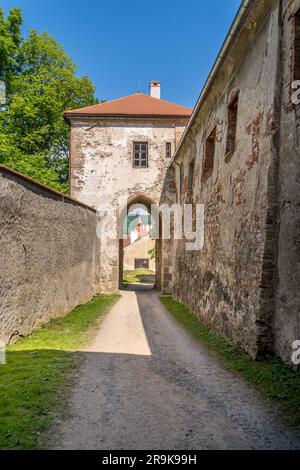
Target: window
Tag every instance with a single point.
(140, 154)
(232, 113)
(209, 154)
(181, 176)
(141, 263)
(191, 176)
(297, 46)
(168, 150)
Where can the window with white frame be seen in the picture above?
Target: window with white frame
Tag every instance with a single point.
(140, 154)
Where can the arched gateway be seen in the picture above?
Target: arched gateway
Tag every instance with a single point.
(119, 153)
(142, 203)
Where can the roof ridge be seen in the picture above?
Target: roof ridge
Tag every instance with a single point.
(136, 103)
(103, 102)
(159, 100)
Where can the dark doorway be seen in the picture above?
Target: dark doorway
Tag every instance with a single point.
(140, 263)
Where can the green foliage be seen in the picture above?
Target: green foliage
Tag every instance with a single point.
(37, 375)
(42, 84)
(274, 379)
(136, 276)
(152, 253)
(10, 40)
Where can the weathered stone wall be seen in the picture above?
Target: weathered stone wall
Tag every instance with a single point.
(287, 313)
(49, 256)
(165, 247)
(102, 172)
(229, 283)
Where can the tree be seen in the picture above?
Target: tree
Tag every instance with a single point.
(152, 253)
(10, 40)
(42, 85)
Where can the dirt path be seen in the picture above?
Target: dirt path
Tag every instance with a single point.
(145, 384)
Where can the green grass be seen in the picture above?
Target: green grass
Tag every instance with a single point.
(275, 380)
(37, 375)
(134, 276)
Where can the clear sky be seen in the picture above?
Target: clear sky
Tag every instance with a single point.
(123, 44)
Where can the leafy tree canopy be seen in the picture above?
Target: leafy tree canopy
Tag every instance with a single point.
(41, 84)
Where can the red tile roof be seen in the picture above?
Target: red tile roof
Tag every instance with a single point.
(138, 104)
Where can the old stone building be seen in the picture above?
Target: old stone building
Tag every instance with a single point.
(238, 156)
(123, 148)
(241, 152)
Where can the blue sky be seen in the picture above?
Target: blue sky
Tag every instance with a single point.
(123, 44)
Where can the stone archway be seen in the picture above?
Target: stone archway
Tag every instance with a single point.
(143, 200)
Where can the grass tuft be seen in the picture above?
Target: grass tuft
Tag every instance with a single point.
(37, 374)
(136, 276)
(275, 380)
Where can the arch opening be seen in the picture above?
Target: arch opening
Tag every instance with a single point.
(139, 246)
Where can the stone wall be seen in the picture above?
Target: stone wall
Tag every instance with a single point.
(229, 283)
(287, 295)
(102, 172)
(49, 255)
(245, 282)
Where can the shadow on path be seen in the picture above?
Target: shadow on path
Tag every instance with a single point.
(146, 384)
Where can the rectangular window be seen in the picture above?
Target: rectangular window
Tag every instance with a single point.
(209, 154)
(180, 182)
(141, 263)
(181, 176)
(191, 176)
(232, 114)
(140, 154)
(168, 150)
(297, 46)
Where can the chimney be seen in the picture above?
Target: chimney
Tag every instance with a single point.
(155, 89)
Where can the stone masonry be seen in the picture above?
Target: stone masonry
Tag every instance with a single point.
(49, 256)
(245, 281)
(101, 164)
(237, 154)
(239, 157)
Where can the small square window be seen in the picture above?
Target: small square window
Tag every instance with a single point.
(191, 176)
(232, 115)
(181, 177)
(141, 263)
(140, 152)
(296, 47)
(168, 150)
(209, 156)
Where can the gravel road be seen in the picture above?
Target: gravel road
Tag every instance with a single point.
(144, 383)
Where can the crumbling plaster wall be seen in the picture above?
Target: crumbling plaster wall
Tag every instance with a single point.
(102, 172)
(49, 255)
(287, 313)
(229, 283)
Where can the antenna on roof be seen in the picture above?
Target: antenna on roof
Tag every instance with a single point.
(139, 87)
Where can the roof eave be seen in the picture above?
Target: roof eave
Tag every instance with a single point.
(69, 116)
